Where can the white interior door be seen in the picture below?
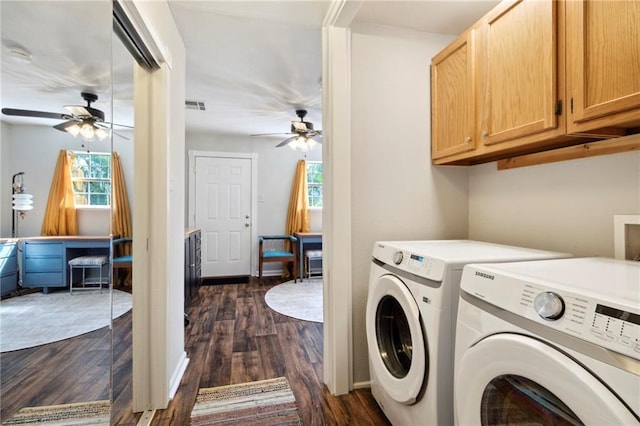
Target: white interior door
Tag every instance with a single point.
(222, 205)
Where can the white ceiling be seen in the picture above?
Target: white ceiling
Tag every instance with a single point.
(252, 63)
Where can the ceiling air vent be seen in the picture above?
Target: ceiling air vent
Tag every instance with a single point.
(197, 105)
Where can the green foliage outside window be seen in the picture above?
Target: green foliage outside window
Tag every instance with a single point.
(91, 177)
(314, 183)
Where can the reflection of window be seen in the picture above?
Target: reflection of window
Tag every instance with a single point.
(314, 183)
(91, 177)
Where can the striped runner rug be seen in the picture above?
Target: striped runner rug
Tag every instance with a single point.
(265, 402)
(82, 413)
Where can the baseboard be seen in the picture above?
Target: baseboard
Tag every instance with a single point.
(239, 279)
(177, 375)
(362, 385)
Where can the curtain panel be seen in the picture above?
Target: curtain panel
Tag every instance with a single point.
(121, 212)
(298, 213)
(60, 216)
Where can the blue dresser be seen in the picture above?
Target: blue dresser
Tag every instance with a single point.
(8, 266)
(45, 259)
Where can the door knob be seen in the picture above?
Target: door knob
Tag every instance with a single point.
(246, 225)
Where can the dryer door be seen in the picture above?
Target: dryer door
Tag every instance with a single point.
(515, 379)
(395, 339)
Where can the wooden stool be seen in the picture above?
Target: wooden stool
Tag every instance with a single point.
(88, 262)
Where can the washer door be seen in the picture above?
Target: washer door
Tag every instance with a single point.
(394, 336)
(514, 379)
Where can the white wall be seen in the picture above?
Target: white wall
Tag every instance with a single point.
(276, 169)
(34, 150)
(566, 206)
(396, 193)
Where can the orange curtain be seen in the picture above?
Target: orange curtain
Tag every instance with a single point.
(121, 215)
(60, 215)
(298, 213)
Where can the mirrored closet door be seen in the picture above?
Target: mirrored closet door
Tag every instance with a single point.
(58, 101)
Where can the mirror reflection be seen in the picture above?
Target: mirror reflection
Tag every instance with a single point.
(66, 162)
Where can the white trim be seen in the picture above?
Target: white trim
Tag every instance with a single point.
(147, 33)
(336, 212)
(626, 234)
(254, 194)
(176, 377)
(341, 13)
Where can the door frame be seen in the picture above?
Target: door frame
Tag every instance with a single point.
(191, 213)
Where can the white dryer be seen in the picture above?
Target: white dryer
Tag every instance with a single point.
(410, 320)
(551, 342)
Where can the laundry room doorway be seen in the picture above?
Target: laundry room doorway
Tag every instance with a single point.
(223, 204)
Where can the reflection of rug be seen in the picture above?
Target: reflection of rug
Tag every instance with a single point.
(37, 318)
(302, 300)
(83, 413)
(266, 402)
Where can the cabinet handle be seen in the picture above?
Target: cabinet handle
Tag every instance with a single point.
(467, 139)
(484, 134)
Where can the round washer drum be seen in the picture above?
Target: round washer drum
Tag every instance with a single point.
(395, 339)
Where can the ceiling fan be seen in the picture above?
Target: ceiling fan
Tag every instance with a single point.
(304, 135)
(83, 120)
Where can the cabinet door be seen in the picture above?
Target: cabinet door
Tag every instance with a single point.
(453, 98)
(603, 61)
(519, 71)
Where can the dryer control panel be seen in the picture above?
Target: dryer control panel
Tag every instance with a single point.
(609, 322)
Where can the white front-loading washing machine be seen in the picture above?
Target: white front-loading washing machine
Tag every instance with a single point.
(410, 320)
(550, 342)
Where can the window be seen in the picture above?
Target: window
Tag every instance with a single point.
(314, 183)
(91, 178)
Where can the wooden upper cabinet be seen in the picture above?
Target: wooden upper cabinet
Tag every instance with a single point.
(603, 64)
(453, 98)
(518, 51)
(536, 75)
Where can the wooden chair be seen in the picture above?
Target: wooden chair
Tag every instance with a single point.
(273, 249)
(121, 260)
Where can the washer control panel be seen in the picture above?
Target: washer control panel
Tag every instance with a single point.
(614, 325)
(420, 265)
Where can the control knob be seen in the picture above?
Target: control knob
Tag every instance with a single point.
(397, 257)
(549, 305)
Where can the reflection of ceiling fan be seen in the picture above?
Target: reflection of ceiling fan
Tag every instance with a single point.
(82, 120)
(303, 134)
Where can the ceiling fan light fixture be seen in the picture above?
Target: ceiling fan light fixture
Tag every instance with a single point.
(74, 129)
(87, 131)
(300, 143)
(101, 133)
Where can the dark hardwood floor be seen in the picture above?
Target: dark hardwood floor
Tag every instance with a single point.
(233, 337)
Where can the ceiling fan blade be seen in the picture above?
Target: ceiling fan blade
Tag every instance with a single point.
(38, 114)
(78, 110)
(273, 134)
(118, 125)
(122, 136)
(63, 126)
(107, 125)
(286, 141)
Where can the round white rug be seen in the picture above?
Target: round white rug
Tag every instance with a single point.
(37, 318)
(301, 300)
